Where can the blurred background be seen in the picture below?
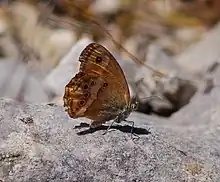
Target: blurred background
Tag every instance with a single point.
(41, 40)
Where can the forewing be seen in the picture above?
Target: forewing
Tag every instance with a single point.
(97, 60)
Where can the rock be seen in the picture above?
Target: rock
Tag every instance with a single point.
(172, 91)
(34, 91)
(12, 78)
(189, 35)
(176, 91)
(199, 56)
(17, 82)
(105, 7)
(203, 107)
(185, 78)
(50, 149)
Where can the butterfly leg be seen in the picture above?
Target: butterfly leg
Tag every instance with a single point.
(132, 129)
(106, 131)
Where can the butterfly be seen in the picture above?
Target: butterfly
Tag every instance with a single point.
(99, 91)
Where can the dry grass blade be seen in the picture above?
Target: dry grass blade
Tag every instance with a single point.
(92, 20)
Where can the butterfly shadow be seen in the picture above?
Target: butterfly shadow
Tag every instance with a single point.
(122, 128)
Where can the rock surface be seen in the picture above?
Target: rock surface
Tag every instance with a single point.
(200, 56)
(18, 82)
(40, 143)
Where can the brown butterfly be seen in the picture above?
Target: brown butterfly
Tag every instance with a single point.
(99, 91)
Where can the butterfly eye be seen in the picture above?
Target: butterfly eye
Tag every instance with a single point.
(82, 102)
(105, 84)
(98, 59)
(92, 83)
(86, 86)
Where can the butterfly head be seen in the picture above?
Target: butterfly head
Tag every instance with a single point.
(134, 103)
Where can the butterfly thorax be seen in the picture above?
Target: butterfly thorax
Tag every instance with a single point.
(123, 115)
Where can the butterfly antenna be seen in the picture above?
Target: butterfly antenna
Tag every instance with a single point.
(152, 97)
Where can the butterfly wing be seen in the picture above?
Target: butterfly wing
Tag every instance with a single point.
(99, 91)
(96, 59)
(80, 93)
